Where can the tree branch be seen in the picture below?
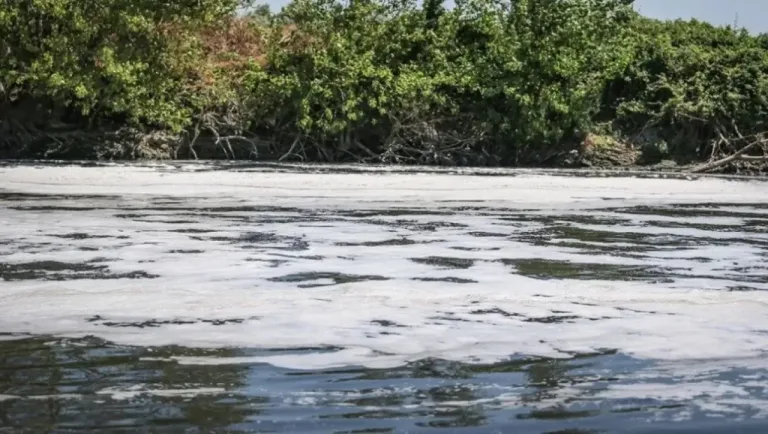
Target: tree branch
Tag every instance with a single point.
(759, 141)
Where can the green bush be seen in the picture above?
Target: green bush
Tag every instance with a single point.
(124, 60)
(485, 82)
(689, 82)
(405, 81)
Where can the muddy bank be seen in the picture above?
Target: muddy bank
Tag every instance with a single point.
(595, 155)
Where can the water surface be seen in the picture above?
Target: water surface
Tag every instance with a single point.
(197, 298)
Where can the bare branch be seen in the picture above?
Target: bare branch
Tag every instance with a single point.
(739, 155)
(290, 151)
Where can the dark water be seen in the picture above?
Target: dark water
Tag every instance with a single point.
(90, 385)
(655, 317)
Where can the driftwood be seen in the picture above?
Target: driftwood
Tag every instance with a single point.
(748, 144)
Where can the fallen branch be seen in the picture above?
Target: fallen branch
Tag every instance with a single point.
(759, 142)
(723, 161)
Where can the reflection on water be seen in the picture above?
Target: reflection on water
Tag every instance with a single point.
(72, 385)
(88, 384)
(213, 314)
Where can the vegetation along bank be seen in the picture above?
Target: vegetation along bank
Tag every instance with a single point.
(554, 83)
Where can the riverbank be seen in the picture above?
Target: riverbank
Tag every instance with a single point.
(586, 83)
(599, 154)
(658, 171)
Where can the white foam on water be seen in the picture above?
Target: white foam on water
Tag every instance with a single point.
(500, 310)
(714, 398)
(671, 392)
(426, 188)
(133, 391)
(710, 394)
(61, 396)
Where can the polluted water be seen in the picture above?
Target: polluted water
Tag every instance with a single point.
(204, 297)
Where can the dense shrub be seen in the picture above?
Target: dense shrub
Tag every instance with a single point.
(689, 82)
(126, 59)
(483, 82)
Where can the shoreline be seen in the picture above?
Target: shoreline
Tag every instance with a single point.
(638, 171)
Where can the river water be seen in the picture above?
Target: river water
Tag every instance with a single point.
(234, 298)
